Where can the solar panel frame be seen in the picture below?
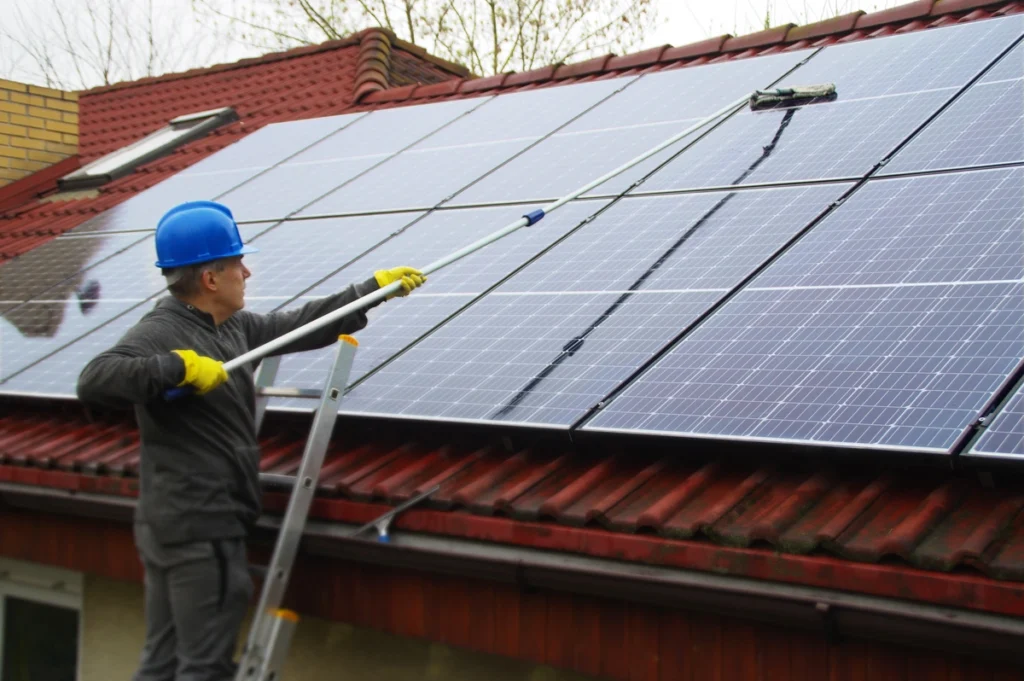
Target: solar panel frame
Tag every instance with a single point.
(1003, 435)
(812, 282)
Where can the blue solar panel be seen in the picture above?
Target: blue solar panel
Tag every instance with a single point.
(397, 323)
(1005, 435)
(648, 112)
(217, 174)
(371, 140)
(886, 89)
(45, 324)
(890, 324)
(555, 338)
(982, 127)
(426, 174)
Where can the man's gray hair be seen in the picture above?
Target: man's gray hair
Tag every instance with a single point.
(183, 282)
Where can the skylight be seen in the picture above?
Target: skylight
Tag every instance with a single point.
(121, 162)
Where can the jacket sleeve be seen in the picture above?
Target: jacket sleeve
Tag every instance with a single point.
(263, 328)
(135, 371)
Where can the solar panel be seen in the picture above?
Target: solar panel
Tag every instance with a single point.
(397, 323)
(651, 110)
(878, 107)
(55, 263)
(555, 338)
(890, 324)
(337, 159)
(982, 127)
(294, 256)
(426, 174)
(1005, 435)
(216, 174)
(41, 326)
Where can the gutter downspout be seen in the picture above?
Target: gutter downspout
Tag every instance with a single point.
(838, 615)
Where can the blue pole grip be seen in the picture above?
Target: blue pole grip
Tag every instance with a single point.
(175, 393)
(534, 217)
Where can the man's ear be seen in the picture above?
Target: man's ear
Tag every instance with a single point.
(209, 280)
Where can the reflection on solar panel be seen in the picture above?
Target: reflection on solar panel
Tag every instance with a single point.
(877, 108)
(337, 159)
(649, 111)
(1005, 435)
(217, 174)
(891, 323)
(439, 166)
(554, 339)
(982, 127)
(68, 312)
(296, 255)
(396, 324)
(62, 261)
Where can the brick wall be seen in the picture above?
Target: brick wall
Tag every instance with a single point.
(38, 127)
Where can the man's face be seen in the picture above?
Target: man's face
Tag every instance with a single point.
(230, 292)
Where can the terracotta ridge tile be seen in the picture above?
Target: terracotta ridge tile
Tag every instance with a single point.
(828, 27)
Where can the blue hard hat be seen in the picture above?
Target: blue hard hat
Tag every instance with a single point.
(195, 232)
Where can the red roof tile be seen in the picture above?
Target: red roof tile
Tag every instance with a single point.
(949, 540)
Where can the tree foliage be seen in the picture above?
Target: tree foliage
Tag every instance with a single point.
(85, 43)
(487, 36)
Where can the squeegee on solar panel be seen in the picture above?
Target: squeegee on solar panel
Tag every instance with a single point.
(272, 627)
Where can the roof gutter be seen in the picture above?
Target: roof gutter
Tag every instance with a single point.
(837, 615)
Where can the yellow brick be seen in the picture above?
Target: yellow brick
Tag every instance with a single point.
(70, 139)
(45, 91)
(70, 107)
(5, 141)
(70, 118)
(28, 121)
(11, 152)
(62, 127)
(8, 129)
(27, 143)
(45, 135)
(5, 117)
(11, 85)
(45, 156)
(60, 148)
(70, 96)
(7, 174)
(40, 112)
(10, 107)
(5, 96)
(30, 166)
(31, 100)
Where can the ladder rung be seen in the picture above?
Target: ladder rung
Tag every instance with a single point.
(271, 391)
(277, 479)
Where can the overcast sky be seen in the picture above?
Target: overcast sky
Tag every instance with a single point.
(682, 21)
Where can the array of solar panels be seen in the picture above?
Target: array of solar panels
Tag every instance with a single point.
(845, 274)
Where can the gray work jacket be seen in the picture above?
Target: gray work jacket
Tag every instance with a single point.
(199, 469)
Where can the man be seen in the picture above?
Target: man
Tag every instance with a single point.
(199, 472)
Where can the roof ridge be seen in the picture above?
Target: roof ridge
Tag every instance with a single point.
(783, 37)
(357, 38)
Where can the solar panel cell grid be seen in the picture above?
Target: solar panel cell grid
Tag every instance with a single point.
(1005, 435)
(340, 157)
(555, 338)
(444, 163)
(889, 324)
(648, 112)
(395, 324)
(982, 127)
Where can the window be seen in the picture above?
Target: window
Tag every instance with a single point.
(40, 622)
(121, 162)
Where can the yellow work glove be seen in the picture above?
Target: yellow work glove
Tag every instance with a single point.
(203, 373)
(409, 276)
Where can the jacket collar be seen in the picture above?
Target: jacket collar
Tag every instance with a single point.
(181, 308)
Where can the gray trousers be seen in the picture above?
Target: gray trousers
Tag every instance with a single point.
(196, 595)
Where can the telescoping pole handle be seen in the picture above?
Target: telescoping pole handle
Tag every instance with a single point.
(525, 221)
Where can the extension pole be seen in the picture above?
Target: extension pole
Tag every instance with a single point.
(525, 221)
